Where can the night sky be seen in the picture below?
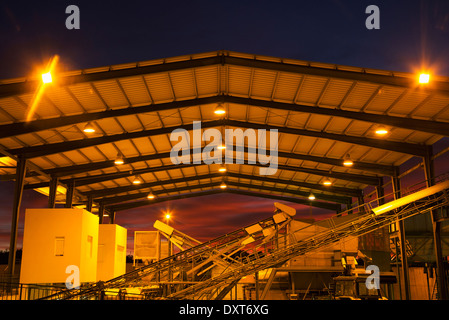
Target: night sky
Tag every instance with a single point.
(412, 34)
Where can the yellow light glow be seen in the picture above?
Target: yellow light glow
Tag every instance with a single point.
(222, 169)
(89, 128)
(311, 197)
(424, 78)
(40, 89)
(327, 182)
(219, 109)
(167, 216)
(221, 147)
(381, 131)
(137, 180)
(348, 161)
(223, 185)
(119, 161)
(151, 196)
(46, 77)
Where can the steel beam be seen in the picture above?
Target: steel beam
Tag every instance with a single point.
(287, 193)
(117, 190)
(69, 194)
(48, 149)
(402, 244)
(18, 192)
(53, 188)
(429, 171)
(137, 204)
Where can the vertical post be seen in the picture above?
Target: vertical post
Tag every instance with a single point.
(112, 217)
(429, 171)
(256, 277)
(90, 202)
(361, 202)
(52, 192)
(404, 265)
(18, 192)
(69, 194)
(101, 213)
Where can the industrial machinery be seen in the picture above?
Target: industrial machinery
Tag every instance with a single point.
(211, 269)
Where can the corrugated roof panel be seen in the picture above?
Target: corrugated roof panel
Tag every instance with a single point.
(239, 80)
(183, 84)
(171, 118)
(304, 145)
(311, 89)
(111, 126)
(14, 108)
(162, 143)
(135, 90)
(159, 87)
(277, 117)
(207, 80)
(86, 95)
(257, 114)
(263, 84)
(338, 125)
(317, 122)
(432, 107)
(111, 93)
(384, 99)
(407, 103)
(335, 92)
(143, 145)
(287, 86)
(64, 101)
(359, 96)
(43, 109)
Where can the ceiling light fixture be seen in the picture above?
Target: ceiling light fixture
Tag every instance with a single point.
(327, 182)
(222, 169)
(46, 77)
(381, 131)
(151, 196)
(424, 78)
(311, 196)
(220, 110)
(348, 161)
(119, 160)
(223, 185)
(89, 128)
(137, 180)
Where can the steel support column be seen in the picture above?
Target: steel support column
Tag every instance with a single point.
(18, 192)
(89, 204)
(112, 217)
(101, 213)
(69, 194)
(52, 192)
(404, 265)
(429, 171)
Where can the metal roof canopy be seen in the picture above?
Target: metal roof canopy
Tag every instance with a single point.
(321, 111)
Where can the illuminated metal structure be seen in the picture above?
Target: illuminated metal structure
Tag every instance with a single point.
(322, 112)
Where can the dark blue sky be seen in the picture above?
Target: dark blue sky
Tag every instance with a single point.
(127, 31)
(112, 32)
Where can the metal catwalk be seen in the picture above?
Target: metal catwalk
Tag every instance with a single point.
(209, 270)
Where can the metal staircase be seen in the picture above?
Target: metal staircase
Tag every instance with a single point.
(209, 270)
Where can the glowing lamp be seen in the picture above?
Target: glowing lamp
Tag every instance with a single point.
(311, 197)
(46, 77)
(424, 78)
(219, 110)
(89, 128)
(347, 162)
